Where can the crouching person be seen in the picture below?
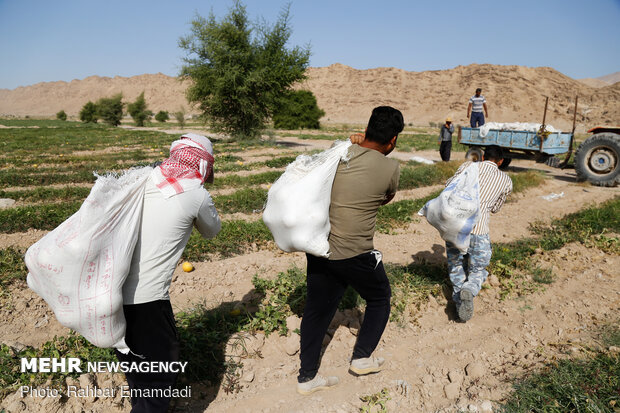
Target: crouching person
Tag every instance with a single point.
(174, 202)
(361, 185)
(467, 280)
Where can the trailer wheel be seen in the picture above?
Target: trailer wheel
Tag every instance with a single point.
(597, 160)
(474, 154)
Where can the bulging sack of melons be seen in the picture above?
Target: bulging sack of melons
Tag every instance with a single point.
(297, 208)
(455, 211)
(79, 268)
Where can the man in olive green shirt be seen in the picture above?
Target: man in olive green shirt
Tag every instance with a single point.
(361, 185)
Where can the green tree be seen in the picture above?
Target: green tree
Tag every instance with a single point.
(88, 113)
(297, 109)
(180, 117)
(138, 110)
(240, 70)
(110, 110)
(162, 116)
(61, 115)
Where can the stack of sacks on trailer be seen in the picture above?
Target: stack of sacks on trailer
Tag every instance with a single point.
(520, 126)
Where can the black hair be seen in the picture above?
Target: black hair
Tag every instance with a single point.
(478, 90)
(384, 123)
(493, 153)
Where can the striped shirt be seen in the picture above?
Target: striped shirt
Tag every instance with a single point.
(495, 186)
(476, 103)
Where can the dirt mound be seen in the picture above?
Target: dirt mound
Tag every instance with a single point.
(514, 93)
(47, 98)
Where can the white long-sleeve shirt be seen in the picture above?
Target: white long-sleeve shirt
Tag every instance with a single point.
(165, 229)
(495, 186)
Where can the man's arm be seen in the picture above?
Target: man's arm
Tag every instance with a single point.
(469, 109)
(208, 221)
(497, 205)
(486, 112)
(451, 128)
(389, 195)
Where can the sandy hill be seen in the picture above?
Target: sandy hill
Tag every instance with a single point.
(602, 81)
(513, 93)
(611, 78)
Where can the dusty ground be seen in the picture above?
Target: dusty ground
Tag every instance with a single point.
(446, 365)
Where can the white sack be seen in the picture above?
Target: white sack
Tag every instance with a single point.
(517, 126)
(79, 268)
(297, 210)
(421, 160)
(455, 211)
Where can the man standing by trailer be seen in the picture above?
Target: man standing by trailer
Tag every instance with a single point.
(445, 140)
(495, 186)
(361, 185)
(174, 202)
(476, 104)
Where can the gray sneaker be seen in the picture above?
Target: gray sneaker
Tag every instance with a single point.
(466, 308)
(366, 365)
(316, 384)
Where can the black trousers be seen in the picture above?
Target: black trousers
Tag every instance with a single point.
(327, 281)
(444, 150)
(151, 333)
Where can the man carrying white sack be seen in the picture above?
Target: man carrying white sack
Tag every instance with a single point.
(495, 186)
(361, 185)
(174, 202)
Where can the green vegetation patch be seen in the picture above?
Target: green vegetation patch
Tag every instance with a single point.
(238, 181)
(412, 284)
(69, 193)
(426, 175)
(525, 180)
(12, 268)
(400, 213)
(13, 177)
(236, 237)
(593, 226)
(46, 217)
(408, 142)
(246, 200)
(591, 384)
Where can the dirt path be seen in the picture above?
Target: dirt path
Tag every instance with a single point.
(449, 365)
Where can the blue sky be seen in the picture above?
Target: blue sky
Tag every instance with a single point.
(43, 40)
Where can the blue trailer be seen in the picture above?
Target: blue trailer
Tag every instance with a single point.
(543, 147)
(597, 159)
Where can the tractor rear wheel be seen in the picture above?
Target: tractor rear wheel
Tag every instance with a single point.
(597, 159)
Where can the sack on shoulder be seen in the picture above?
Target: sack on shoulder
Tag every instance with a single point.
(455, 211)
(297, 209)
(79, 268)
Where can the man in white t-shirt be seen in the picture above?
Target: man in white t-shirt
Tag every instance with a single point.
(175, 201)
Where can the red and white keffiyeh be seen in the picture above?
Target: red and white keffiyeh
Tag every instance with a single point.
(189, 165)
